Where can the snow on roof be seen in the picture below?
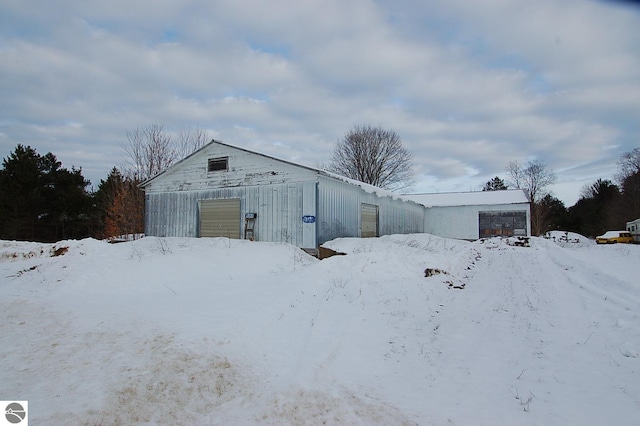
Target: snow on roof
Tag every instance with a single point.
(449, 199)
(371, 189)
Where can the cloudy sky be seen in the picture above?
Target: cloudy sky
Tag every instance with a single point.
(468, 85)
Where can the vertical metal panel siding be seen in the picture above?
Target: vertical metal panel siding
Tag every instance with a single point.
(279, 208)
(461, 222)
(339, 206)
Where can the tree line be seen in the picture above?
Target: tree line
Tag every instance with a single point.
(603, 205)
(42, 201)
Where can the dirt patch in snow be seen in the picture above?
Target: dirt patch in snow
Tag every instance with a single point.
(310, 407)
(173, 386)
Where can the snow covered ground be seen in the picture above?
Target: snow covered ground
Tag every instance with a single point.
(217, 331)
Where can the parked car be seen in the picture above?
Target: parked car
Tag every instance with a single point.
(612, 237)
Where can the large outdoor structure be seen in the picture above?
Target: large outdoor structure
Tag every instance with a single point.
(222, 190)
(474, 215)
(226, 191)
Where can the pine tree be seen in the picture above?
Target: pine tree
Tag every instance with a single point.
(495, 184)
(40, 200)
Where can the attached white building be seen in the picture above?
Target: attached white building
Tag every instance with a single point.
(474, 215)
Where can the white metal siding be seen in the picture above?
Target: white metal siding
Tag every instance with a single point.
(244, 169)
(461, 222)
(339, 206)
(281, 193)
(280, 209)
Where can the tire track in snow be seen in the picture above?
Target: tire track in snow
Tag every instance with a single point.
(598, 280)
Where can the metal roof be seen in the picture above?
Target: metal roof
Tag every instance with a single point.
(478, 198)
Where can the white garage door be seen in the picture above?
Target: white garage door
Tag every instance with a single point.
(220, 218)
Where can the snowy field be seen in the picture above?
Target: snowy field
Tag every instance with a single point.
(227, 332)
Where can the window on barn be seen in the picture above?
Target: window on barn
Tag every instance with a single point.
(218, 164)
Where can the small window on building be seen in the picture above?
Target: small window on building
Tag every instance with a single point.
(218, 164)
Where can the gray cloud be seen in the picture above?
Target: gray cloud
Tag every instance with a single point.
(469, 86)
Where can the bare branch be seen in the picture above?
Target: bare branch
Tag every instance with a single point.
(629, 164)
(149, 151)
(191, 140)
(375, 156)
(533, 178)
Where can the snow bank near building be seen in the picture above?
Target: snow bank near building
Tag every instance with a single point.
(218, 331)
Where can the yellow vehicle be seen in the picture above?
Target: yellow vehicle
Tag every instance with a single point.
(613, 237)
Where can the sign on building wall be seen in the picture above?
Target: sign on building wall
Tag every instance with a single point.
(308, 219)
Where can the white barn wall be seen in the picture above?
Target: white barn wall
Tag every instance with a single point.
(339, 206)
(281, 193)
(277, 190)
(279, 207)
(245, 169)
(461, 222)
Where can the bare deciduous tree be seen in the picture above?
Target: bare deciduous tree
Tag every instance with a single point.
(373, 155)
(191, 140)
(149, 151)
(629, 178)
(533, 178)
(629, 164)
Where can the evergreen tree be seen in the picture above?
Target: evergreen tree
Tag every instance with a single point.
(630, 202)
(40, 200)
(21, 194)
(495, 184)
(597, 210)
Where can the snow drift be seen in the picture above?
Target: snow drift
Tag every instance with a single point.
(404, 329)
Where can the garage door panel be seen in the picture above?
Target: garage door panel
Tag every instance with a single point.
(502, 223)
(220, 218)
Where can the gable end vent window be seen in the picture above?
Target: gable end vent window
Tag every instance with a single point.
(218, 164)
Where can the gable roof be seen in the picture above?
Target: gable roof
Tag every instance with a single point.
(510, 196)
(478, 198)
(213, 141)
(380, 192)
